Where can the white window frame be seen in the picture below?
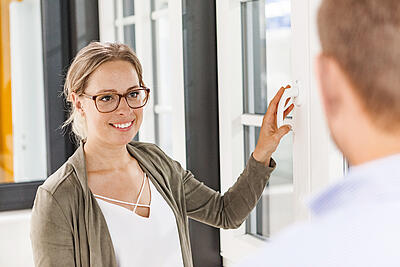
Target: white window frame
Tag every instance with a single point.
(143, 38)
(316, 161)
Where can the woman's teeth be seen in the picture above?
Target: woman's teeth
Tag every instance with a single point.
(122, 126)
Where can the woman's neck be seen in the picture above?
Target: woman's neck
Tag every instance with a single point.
(105, 157)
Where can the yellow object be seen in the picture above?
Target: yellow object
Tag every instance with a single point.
(6, 140)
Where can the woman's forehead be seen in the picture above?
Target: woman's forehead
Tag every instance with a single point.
(115, 75)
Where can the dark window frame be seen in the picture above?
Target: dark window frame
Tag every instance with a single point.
(61, 41)
(202, 125)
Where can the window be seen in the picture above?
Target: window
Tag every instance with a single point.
(161, 76)
(38, 42)
(266, 35)
(22, 120)
(263, 45)
(154, 30)
(125, 22)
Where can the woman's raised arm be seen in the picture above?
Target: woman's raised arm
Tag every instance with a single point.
(231, 209)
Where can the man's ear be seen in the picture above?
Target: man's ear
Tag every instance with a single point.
(329, 77)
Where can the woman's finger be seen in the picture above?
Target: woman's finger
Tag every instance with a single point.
(287, 101)
(273, 105)
(288, 110)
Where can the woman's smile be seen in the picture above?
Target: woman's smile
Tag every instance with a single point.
(123, 126)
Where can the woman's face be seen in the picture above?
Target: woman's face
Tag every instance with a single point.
(121, 125)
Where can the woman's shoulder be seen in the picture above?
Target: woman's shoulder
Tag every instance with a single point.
(61, 182)
(55, 203)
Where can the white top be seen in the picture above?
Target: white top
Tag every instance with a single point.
(141, 241)
(356, 224)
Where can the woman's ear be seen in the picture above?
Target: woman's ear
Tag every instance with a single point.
(76, 101)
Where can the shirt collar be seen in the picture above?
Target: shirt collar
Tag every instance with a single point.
(371, 182)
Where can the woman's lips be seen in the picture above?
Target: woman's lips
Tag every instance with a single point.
(123, 126)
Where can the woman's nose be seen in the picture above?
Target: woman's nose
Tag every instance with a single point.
(123, 106)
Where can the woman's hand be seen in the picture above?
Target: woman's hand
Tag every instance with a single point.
(270, 135)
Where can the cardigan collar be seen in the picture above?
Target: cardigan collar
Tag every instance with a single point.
(78, 162)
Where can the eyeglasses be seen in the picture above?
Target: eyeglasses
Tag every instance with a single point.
(108, 102)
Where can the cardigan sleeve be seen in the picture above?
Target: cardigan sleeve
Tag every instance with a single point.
(231, 209)
(51, 235)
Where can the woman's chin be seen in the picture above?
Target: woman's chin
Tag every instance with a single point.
(114, 138)
(117, 140)
(123, 141)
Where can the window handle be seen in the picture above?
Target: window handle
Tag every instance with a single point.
(293, 95)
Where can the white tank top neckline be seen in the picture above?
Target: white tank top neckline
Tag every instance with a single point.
(143, 241)
(137, 204)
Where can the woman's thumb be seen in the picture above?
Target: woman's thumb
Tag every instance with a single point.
(283, 130)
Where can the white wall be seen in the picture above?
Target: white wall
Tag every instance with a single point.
(15, 246)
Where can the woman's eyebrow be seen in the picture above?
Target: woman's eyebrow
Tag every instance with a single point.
(115, 91)
(133, 87)
(106, 90)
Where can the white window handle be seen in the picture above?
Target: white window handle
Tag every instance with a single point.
(292, 94)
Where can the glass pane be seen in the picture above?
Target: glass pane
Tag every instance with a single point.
(159, 4)
(267, 51)
(163, 122)
(22, 121)
(266, 33)
(128, 7)
(116, 9)
(162, 83)
(275, 208)
(116, 16)
(129, 36)
(116, 35)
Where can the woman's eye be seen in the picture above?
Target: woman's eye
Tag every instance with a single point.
(133, 94)
(106, 98)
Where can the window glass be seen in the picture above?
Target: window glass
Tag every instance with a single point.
(163, 90)
(275, 208)
(22, 119)
(266, 33)
(164, 132)
(128, 8)
(267, 51)
(160, 4)
(129, 35)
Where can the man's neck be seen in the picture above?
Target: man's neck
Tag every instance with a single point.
(375, 146)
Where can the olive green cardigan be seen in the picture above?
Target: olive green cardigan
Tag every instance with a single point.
(69, 229)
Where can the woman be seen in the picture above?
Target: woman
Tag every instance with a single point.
(121, 203)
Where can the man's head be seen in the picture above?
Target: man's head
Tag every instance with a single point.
(359, 71)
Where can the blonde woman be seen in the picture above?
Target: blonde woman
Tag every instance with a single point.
(116, 202)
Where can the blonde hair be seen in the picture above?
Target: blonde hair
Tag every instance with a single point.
(85, 63)
(363, 37)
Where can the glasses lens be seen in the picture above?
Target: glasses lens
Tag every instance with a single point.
(137, 98)
(107, 102)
